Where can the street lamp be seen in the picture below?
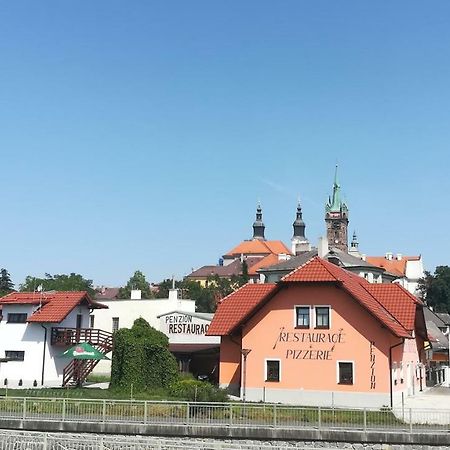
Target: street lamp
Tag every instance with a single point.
(244, 352)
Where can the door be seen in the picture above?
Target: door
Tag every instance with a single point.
(78, 326)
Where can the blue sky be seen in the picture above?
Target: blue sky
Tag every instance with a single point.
(140, 135)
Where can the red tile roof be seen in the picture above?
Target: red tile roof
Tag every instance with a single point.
(395, 266)
(234, 308)
(398, 301)
(239, 306)
(266, 261)
(234, 268)
(258, 247)
(55, 305)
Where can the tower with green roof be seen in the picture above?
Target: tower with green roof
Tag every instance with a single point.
(336, 218)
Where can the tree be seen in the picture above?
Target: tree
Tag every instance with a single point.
(435, 289)
(61, 282)
(137, 281)
(141, 358)
(6, 285)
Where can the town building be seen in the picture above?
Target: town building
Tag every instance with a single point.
(408, 270)
(336, 218)
(321, 336)
(195, 352)
(121, 313)
(437, 349)
(36, 328)
(256, 253)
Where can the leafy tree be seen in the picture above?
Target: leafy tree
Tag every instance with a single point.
(141, 358)
(137, 281)
(435, 289)
(6, 285)
(71, 282)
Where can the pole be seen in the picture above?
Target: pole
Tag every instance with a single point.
(244, 352)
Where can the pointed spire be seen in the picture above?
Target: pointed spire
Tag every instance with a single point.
(299, 225)
(354, 244)
(335, 202)
(258, 225)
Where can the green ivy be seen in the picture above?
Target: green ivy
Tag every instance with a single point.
(141, 358)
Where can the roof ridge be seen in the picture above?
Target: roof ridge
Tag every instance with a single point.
(314, 258)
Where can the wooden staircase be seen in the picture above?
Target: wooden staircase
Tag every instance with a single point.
(78, 369)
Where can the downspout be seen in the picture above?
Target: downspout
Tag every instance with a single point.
(43, 354)
(390, 370)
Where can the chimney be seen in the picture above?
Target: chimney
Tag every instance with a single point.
(399, 256)
(136, 294)
(389, 256)
(173, 294)
(322, 248)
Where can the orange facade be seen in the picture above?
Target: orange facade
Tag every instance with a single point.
(315, 343)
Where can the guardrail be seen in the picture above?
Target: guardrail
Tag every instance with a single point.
(222, 414)
(42, 441)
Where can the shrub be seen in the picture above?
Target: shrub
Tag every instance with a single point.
(141, 358)
(197, 391)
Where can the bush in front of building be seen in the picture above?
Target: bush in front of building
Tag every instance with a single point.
(197, 391)
(141, 359)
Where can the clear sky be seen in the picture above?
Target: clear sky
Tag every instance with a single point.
(140, 135)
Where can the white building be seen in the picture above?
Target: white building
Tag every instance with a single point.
(195, 352)
(122, 313)
(408, 270)
(35, 329)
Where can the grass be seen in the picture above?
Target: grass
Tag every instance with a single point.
(92, 378)
(87, 393)
(257, 414)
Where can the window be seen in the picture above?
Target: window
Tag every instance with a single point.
(302, 315)
(272, 370)
(322, 317)
(91, 321)
(345, 373)
(15, 355)
(17, 317)
(115, 324)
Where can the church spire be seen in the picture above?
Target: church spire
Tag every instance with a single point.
(258, 225)
(335, 203)
(299, 225)
(354, 250)
(299, 241)
(336, 217)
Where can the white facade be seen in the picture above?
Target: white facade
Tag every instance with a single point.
(41, 365)
(183, 327)
(122, 313)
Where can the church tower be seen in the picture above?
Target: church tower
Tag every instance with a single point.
(336, 218)
(299, 241)
(258, 225)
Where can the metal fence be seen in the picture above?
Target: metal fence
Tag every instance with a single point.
(222, 414)
(58, 441)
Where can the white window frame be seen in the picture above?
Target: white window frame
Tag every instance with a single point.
(338, 372)
(329, 317)
(265, 370)
(15, 351)
(311, 315)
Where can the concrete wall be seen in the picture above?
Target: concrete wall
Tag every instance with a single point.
(320, 438)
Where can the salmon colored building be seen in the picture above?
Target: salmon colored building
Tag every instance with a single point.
(321, 336)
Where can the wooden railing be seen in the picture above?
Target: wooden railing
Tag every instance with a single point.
(72, 336)
(78, 369)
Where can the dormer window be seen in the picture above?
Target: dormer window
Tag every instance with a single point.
(17, 317)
